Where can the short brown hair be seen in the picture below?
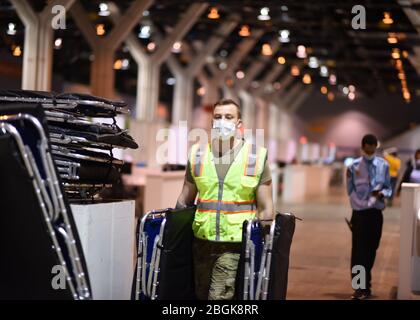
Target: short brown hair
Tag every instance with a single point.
(225, 102)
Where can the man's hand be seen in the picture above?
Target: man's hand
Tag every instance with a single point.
(377, 194)
(265, 223)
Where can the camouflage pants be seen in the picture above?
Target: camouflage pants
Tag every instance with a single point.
(215, 266)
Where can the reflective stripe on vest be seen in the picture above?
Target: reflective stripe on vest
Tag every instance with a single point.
(227, 206)
(251, 161)
(198, 162)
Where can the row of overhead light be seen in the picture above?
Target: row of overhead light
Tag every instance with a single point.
(350, 91)
(264, 14)
(396, 53)
(266, 50)
(11, 31)
(393, 38)
(401, 74)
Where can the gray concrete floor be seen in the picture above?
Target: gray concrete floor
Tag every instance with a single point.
(320, 253)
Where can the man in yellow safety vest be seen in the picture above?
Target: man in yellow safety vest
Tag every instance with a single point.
(233, 182)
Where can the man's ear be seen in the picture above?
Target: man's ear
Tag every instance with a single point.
(239, 123)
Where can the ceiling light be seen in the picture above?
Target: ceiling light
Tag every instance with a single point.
(11, 29)
(346, 90)
(303, 140)
(401, 75)
(284, 36)
(266, 50)
(398, 63)
(57, 43)
(222, 65)
(230, 82)
(392, 38)
(332, 79)
(210, 59)
(201, 91)
(17, 51)
(294, 71)
(244, 32)
(125, 64)
(301, 52)
(100, 29)
(176, 48)
(145, 32)
(281, 60)
(395, 53)
(170, 81)
(324, 90)
(151, 46)
(387, 18)
(407, 95)
(351, 96)
(284, 8)
(313, 63)
(240, 74)
(277, 85)
(223, 53)
(323, 71)
(330, 96)
(307, 78)
(214, 13)
(264, 14)
(118, 64)
(255, 84)
(268, 88)
(405, 54)
(103, 10)
(352, 88)
(146, 13)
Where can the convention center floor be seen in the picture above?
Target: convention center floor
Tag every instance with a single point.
(320, 253)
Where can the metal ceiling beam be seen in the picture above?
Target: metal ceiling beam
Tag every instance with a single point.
(241, 85)
(184, 84)
(217, 79)
(300, 99)
(38, 44)
(102, 76)
(256, 67)
(149, 65)
(269, 78)
(414, 17)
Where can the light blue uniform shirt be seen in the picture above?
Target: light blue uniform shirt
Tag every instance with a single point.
(365, 176)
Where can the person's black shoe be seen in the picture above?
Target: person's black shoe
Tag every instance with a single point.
(361, 294)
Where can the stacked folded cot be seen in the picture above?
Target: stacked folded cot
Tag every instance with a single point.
(81, 143)
(41, 252)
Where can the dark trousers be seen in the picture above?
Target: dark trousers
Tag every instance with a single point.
(393, 186)
(366, 235)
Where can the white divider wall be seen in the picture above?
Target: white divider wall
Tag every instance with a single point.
(106, 231)
(409, 262)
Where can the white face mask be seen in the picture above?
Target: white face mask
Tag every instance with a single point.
(223, 129)
(369, 158)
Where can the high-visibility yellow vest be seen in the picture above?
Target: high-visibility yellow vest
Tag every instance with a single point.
(223, 205)
(394, 165)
